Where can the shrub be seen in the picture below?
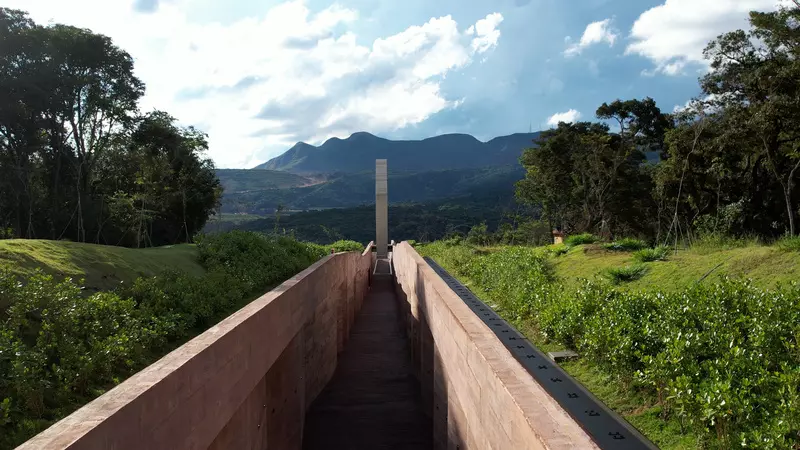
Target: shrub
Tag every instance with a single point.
(60, 346)
(478, 235)
(626, 245)
(558, 249)
(651, 254)
(346, 246)
(789, 244)
(626, 274)
(722, 358)
(254, 259)
(581, 239)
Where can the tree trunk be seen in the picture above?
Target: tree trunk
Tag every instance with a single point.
(787, 195)
(185, 227)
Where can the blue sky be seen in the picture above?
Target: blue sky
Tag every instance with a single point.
(258, 76)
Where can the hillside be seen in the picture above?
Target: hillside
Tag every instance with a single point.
(423, 222)
(355, 189)
(358, 153)
(665, 329)
(766, 266)
(244, 180)
(103, 267)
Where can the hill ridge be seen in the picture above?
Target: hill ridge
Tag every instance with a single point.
(358, 152)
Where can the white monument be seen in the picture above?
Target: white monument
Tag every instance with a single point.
(381, 209)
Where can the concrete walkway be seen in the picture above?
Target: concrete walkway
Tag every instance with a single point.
(373, 401)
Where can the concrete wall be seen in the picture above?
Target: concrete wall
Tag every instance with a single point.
(477, 394)
(245, 383)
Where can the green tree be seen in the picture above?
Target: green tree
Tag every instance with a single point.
(756, 79)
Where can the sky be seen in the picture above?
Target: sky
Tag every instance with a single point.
(260, 75)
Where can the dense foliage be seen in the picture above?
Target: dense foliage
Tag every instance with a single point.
(722, 358)
(77, 160)
(421, 222)
(729, 161)
(60, 347)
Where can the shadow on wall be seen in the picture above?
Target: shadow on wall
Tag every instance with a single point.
(429, 369)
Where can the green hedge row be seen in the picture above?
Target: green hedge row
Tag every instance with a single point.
(723, 358)
(59, 348)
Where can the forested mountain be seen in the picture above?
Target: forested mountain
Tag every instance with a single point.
(340, 173)
(407, 221)
(358, 153)
(355, 189)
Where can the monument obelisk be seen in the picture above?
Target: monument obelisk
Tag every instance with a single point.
(381, 209)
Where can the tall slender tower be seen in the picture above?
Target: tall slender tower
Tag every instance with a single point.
(381, 209)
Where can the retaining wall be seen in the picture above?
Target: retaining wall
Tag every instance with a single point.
(477, 394)
(245, 383)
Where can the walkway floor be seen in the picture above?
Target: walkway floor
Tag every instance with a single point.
(372, 402)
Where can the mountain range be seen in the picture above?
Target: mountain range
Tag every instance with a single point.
(358, 153)
(341, 172)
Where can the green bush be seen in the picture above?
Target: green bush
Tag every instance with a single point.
(651, 254)
(346, 246)
(626, 274)
(789, 244)
(581, 239)
(723, 358)
(626, 245)
(60, 347)
(558, 249)
(478, 235)
(254, 259)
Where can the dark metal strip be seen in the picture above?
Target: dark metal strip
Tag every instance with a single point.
(607, 428)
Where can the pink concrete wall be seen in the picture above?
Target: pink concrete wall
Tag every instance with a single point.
(478, 395)
(245, 383)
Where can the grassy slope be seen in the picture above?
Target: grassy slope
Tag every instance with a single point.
(766, 266)
(103, 267)
(245, 180)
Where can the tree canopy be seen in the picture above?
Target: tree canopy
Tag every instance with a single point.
(77, 158)
(728, 163)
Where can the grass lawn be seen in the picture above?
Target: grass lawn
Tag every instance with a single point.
(766, 266)
(103, 267)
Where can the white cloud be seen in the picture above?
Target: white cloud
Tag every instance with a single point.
(595, 33)
(486, 32)
(570, 116)
(673, 35)
(262, 83)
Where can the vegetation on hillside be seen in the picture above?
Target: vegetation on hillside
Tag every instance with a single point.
(357, 189)
(61, 346)
(706, 365)
(256, 180)
(77, 159)
(421, 222)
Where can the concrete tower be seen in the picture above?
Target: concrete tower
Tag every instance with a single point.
(381, 209)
